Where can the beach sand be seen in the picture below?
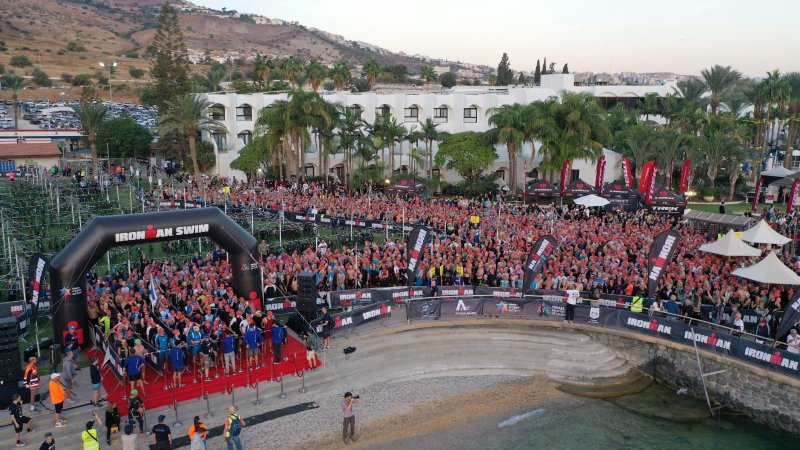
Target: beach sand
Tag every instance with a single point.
(490, 403)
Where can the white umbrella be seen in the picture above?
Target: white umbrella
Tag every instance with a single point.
(762, 233)
(730, 245)
(591, 200)
(769, 270)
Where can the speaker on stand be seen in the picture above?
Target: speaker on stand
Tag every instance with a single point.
(10, 362)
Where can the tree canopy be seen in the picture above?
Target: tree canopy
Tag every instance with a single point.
(469, 153)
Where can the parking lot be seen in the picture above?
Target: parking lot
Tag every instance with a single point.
(61, 116)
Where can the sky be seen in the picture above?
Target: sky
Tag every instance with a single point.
(680, 36)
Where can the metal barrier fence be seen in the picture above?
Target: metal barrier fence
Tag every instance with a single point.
(744, 347)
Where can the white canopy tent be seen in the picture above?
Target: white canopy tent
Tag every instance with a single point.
(778, 172)
(769, 270)
(762, 233)
(730, 245)
(591, 201)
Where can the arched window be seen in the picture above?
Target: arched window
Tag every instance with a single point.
(357, 109)
(471, 114)
(217, 112)
(245, 136)
(501, 174)
(440, 114)
(383, 111)
(411, 114)
(244, 112)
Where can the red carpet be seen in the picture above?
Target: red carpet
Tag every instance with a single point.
(157, 396)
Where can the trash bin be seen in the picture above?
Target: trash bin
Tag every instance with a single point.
(55, 357)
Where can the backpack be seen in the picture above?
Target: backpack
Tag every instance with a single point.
(236, 425)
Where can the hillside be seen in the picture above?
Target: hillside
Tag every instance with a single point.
(108, 29)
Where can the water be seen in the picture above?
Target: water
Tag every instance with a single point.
(582, 423)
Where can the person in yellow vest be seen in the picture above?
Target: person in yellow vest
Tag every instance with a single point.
(636, 304)
(89, 436)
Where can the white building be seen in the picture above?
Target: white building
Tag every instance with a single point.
(454, 110)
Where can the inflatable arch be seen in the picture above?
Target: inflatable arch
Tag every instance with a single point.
(68, 269)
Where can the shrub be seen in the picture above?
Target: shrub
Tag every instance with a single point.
(73, 46)
(135, 72)
(132, 55)
(41, 78)
(67, 78)
(20, 61)
(82, 79)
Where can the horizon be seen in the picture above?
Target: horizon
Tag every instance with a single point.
(685, 29)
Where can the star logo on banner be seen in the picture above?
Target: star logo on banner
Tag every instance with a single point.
(502, 307)
(107, 356)
(65, 292)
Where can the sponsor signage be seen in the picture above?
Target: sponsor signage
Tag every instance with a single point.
(156, 233)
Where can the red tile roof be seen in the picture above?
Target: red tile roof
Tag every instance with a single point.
(33, 149)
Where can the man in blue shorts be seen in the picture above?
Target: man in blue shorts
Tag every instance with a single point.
(253, 340)
(195, 338)
(134, 364)
(177, 357)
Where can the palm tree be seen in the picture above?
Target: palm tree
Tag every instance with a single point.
(14, 82)
(372, 70)
(92, 116)
(650, 105)
(340, 75)
(261, 69)
(719, 80)
(640, 143)
(691, 90)
(509, 129)
(417, 160)
(393, 134)
(775, 91)
(430, 134)
(293, 69)
(427, 73)
(579, 130)
(348, 132)
(315, 74)
(793, 112)
(287, 122)
(189, 116)
(672, 147)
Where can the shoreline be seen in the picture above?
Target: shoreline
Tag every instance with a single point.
(484, 400)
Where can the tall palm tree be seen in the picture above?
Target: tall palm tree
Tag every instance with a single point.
(92, 116)
(348, 130)
(430, 134)
(288, 122)
(691, 90)
(189, 116)
(640, 143)
(793, 112)
(340, 75)
(672, 147)
(650, 105)
(393, 134)
(315, 74)
(262, 69)
(293, 68)
(775, 90)
(372, 70)
(14, 83)
(580, 130)
(719, 80)
(509, 129)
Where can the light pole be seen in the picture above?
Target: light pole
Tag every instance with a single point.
(110, 66)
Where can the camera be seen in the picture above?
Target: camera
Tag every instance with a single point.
(356, 397)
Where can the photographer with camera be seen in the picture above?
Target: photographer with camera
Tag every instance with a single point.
(349, 418)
